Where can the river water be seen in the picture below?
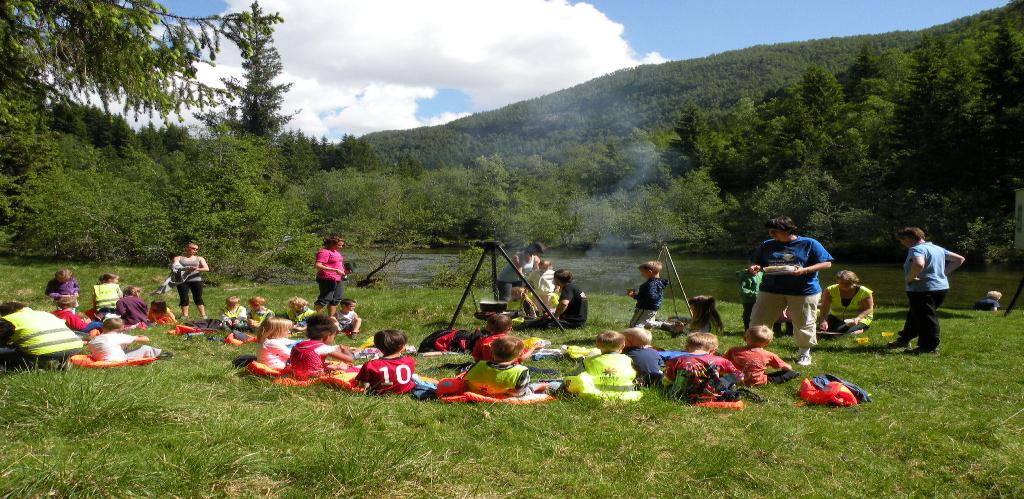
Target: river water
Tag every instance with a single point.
(614, 272)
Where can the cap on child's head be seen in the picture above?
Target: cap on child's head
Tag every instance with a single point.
(758, 336)
(995, 295)
(320, 326)
(637, 337)
(652, 266)
(390, 341)
(65, 302)
(507, 348)
(701, 341)
(113, 324)
(610, 341)
(499, 323)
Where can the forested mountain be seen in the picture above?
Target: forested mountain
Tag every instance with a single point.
(647, 97)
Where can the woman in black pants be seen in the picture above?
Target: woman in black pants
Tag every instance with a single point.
(191, 265)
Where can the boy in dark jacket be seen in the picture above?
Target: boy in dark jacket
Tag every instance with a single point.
(648, 297)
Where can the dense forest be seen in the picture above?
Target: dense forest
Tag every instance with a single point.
(852, 137)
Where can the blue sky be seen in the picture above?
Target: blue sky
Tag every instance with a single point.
(406, 81)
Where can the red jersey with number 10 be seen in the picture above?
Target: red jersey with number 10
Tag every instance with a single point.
(388, 375)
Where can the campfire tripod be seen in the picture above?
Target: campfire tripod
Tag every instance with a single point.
(665, 256)
(492, 248)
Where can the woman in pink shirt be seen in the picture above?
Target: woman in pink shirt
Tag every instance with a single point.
(330, 275)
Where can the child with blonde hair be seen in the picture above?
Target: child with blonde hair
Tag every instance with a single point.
(109, 345)
(609, 376)
(646, 360)
(160, 313)
(66, 311)
(259, 313)
(990, 302)
(298, 312)
(63, 283)
(700, 352)
(275, 348)
(754, 359)
(235, 316)
(649, 296)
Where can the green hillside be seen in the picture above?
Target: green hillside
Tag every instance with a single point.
(647, 97)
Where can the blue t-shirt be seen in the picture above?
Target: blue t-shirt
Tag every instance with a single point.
(933, 277)
(802, 251)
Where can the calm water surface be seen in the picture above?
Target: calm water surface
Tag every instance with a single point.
(613, 273)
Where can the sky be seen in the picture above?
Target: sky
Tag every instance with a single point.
(370, 65)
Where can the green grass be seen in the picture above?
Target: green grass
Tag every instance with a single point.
(951, 425)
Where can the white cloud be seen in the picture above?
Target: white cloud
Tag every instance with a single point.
(360, 66)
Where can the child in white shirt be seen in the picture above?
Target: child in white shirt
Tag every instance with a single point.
(348, 320)
(109, 345)
(275, 346)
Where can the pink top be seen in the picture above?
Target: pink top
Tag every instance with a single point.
(753, 362)
(330, 258)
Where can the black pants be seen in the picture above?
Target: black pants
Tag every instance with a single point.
(839, 326)
(331, 292)
(549, 323)
(923, 318)
(197, 293)
(747, 309)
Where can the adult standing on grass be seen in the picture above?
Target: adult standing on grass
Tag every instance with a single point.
(30, 338)
(191, 266)
(330, 275)
(925, 273)
(525, 260)
(790, 264)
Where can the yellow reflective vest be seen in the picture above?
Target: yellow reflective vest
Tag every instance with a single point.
(853, 309)
(487, 380)
(41, 333)
(106, 295)
(609, 376)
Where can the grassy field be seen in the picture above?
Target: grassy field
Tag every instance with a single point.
(951, 425)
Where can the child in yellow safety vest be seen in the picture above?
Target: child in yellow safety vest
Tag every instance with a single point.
(105, 295)
(235, 316)
(298, 312)
(260, 312)
(608, 376)
(501, 377)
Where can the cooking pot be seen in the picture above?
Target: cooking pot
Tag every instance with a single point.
(493, 306)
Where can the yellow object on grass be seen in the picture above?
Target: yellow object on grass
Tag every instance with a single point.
(367, 343)
(888, 334)
(578, 352)
(534, 341)
(863, 340)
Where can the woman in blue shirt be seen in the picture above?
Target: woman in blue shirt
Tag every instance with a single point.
(924, 272)
(790, 264)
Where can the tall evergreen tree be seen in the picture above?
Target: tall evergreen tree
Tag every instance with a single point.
(253, 106)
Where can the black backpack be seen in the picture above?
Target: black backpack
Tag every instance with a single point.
(703, 382)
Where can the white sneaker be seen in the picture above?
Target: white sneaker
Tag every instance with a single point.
(804, 360)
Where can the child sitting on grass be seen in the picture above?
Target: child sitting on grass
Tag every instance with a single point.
(235, 316)
(392, 373)
(132, 308)
(160, 313)
(307, 356)
(649, 296)
(66, 311)
(646, 360)
(705, 318)
(498, 326)
(109, 345)
(501, 377)
(700, 351)
(348, 320)
(275, 348)
(63, 283)
(298, 312)
(607, 376)
(259, 313)
(105, 295)
(753, 359)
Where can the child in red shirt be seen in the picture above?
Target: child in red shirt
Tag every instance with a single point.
(753, 359)
(498, 326)
(66, 311)
(700, 350)
(392, 373)
(307, 356)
